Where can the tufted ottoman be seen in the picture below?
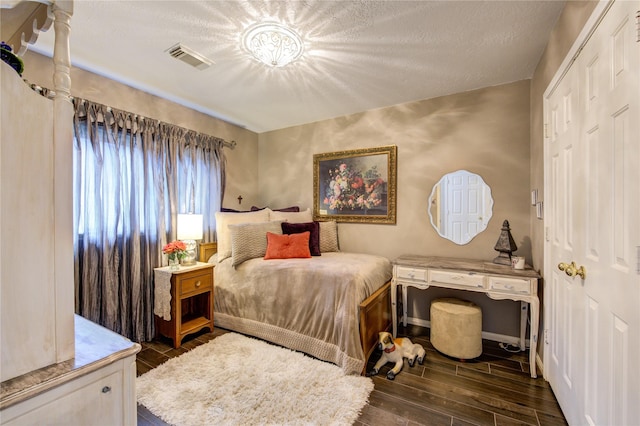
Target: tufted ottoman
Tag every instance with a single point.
(456, 328)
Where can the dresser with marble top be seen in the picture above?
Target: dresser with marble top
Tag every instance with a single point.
(97, 386)
(498, 282)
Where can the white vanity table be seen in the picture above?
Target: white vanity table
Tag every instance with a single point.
(499, 282)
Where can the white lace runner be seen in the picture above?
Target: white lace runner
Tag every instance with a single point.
(162, 294)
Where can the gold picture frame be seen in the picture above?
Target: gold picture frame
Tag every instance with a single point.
(357, 186)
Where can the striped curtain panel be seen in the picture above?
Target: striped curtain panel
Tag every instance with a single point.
(132, 176)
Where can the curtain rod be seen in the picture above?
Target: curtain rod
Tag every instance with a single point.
(48, 93)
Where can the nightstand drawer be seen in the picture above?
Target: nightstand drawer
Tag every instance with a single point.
(195, 283)
(465, 279)
(510, 285)
(414, 274)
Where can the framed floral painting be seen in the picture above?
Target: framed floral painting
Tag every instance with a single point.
(355, 186)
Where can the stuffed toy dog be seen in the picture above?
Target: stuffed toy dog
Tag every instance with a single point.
(394, 350)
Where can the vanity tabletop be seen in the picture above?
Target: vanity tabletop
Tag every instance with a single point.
(458, 264)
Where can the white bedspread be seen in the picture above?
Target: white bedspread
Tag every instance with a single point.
(310, 305)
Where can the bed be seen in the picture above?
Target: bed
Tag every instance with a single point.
(330, 305)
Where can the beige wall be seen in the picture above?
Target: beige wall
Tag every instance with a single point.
(485, 131)
(568, 27)
(242, 162)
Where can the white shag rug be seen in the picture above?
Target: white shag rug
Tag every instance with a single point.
(237, 380)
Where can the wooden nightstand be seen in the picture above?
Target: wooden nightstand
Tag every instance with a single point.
(190, 308)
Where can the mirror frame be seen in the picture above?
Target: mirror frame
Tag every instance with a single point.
(488, 207)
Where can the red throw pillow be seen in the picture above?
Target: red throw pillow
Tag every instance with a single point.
(287, 246)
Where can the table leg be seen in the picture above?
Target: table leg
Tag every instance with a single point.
(394, 307)
(404, 305)
(524, 308)
(533, 337)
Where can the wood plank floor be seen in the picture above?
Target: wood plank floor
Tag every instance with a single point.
(494, 389)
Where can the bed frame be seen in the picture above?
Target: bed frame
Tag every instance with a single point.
(375, 311)
(206, 250)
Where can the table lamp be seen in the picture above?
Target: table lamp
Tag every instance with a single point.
(189, 230)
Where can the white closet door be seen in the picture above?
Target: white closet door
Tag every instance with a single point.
(592, 187)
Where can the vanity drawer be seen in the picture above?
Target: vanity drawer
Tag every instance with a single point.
(465, 279)
(510, 285)
(413, 274)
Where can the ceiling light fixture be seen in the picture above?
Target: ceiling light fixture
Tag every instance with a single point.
(273, 44)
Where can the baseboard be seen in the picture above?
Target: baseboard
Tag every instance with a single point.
(494, 337)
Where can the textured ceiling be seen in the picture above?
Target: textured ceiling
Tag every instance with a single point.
(359, 55)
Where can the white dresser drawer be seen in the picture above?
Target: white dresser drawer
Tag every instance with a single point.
(465, 279)
(103, 397)
(510, 285)
(413, 274)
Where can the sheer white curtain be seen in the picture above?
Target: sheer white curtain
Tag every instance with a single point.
(132, 176)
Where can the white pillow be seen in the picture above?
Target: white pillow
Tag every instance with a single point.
(249, 240)
(224, 219)
(291, 217)
(329, 237)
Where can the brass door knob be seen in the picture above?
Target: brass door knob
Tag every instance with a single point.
(572, 269)
(581, 272)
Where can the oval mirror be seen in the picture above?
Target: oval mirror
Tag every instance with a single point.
(460, 206)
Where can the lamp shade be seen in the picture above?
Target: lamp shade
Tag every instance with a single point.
(189, 226)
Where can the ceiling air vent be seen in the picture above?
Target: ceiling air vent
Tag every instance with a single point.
(190, 57)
